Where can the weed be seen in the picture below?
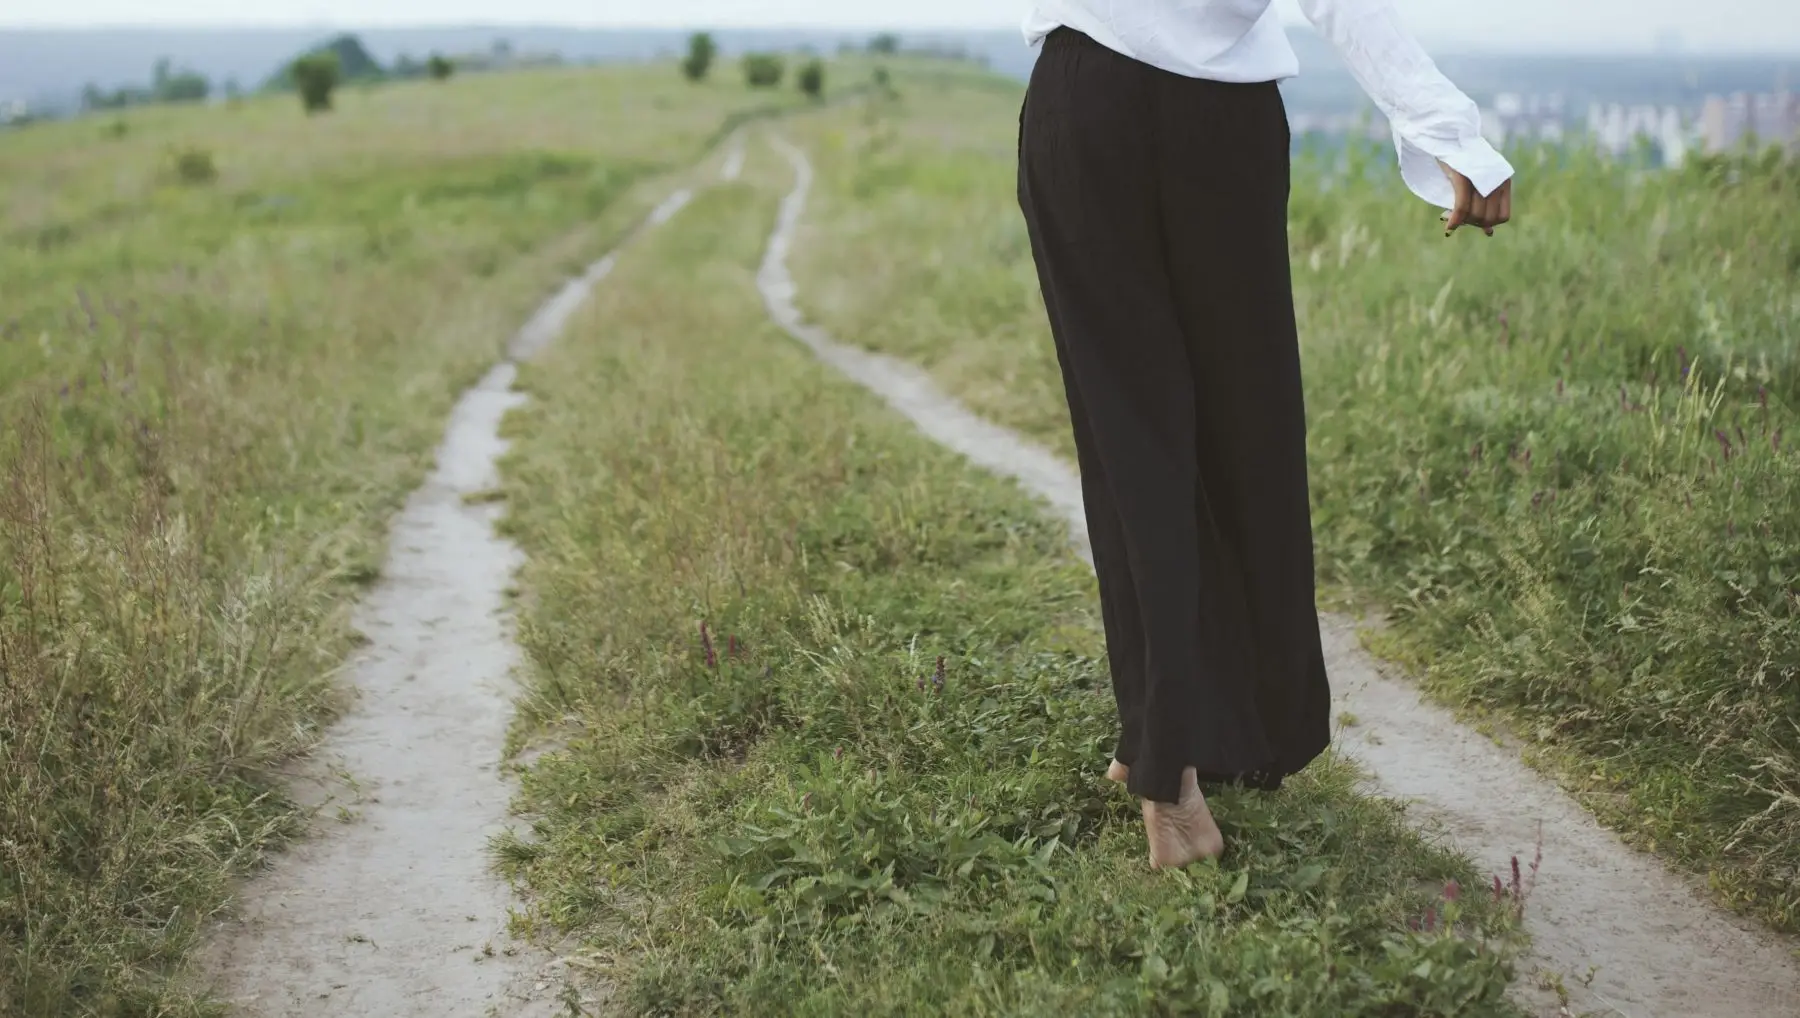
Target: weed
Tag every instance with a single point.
(194, 167)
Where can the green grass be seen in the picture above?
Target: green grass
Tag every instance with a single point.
(1572, 539)
(745, 580)
(215, 386)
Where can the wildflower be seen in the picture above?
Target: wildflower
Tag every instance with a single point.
(1452, 891)
(706, 644)
(1681, 351)
(837, 753)
(1724, 444)
(937, 677)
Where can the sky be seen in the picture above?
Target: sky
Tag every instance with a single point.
(1766, 26)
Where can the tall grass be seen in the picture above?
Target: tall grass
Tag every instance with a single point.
(211, 398)
(1559, 459)
(825, 718)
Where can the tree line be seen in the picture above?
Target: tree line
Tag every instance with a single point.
(314, 74)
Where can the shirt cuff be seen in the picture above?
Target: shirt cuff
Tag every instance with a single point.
(1485, 167)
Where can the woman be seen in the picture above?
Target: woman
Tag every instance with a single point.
(1153, 174)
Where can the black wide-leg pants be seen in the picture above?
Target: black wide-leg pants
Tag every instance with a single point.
(1157, 209)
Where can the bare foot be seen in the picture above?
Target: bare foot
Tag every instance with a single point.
(1184, 832)
(1118, 772)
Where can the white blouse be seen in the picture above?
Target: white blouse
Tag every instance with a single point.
(1243, 41)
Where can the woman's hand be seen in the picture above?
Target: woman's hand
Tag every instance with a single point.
(1474, 210)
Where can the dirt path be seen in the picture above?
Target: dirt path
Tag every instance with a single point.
(734, 160)
(397, 913)
(1656, 948)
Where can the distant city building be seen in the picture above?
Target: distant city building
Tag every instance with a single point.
(1768, 118)
(1665, 134)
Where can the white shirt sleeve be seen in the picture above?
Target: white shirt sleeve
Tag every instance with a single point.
(1431, 117)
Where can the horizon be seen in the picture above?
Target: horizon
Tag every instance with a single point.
(1657, 48)
(1599, 27)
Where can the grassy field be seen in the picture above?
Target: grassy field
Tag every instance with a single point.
(228, 338)
(830, 705)
(1554, 459)
(828, 716)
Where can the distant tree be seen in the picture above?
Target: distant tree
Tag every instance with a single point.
(763, 70)
(699, 60)
(170, 85)
(317, 76)
(95, 98)
(502, 49)
(886, 42)
(352, 64)
(440, 66)
(354, 60)
(812, 78)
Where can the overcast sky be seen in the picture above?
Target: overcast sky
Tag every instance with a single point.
(1590, 25)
